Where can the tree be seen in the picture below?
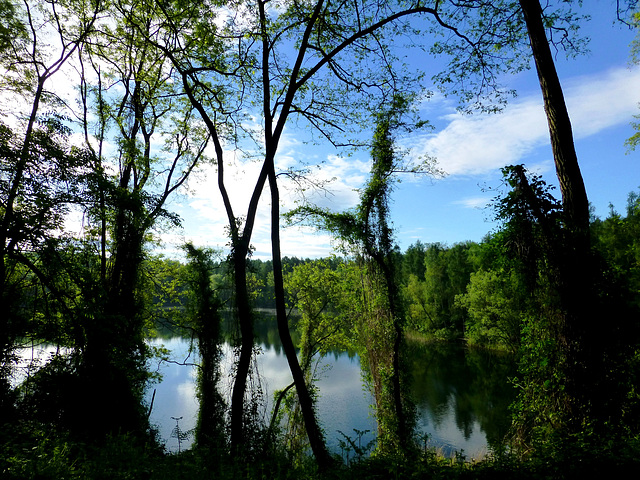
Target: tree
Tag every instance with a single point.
(560, 398)
(431, 298)
(29, 64)
(278, 64)
(413, 260)
(40, 170)
(516, 29)
(493, 301)
(13, 32)
(615, 238)
(574, 197)
(501, 37)
(633, 141)
(367, 232)
(128, 87)
(419, 316)
(314, 289)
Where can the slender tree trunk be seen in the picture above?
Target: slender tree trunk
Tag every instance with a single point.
(7, 243)
(316, 440)
(16, 183)
(245, 318)
(242, 302)
(239, 264)
(378, 245)
(574, 195)
(404, 425)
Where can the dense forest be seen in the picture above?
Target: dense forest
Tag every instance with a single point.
(473, 292)
(111, 108)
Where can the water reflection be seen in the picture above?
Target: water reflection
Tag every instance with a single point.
(462, 397)
(175, 395)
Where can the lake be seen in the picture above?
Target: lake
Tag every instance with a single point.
(461, 396)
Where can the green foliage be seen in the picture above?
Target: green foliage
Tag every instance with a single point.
(37, 453)
(317, 292)
(322, 292)
(413, 261)
(203, 311)
(51, 182)
(494, 303)
(616, 238)
(418, 311)
(431, 299)
(366, 232)
(98, 295)
(573, 381)
(531, 239)
(494, 41)
(45, 456)
(531, 216)
(349, 445)
(12, 29)
(634, 140)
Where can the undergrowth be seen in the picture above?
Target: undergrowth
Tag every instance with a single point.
(38, 454)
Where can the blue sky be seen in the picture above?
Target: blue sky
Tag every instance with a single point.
(602, 95)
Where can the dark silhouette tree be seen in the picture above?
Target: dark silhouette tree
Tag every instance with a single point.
(279, 65)
(40, 171)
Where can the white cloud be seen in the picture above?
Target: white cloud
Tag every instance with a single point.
(468, 145)
(476, 144)
(206, 219)
(602, 101)
(305, 242)
(473, 202)
(343, 176)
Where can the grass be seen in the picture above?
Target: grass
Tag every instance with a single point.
(38, 455)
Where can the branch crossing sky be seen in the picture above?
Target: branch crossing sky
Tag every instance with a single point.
(602, 91)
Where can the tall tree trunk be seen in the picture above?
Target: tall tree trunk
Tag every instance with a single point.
(245, 318)
(405, 427)
(572, 258)
(242, 302)
(316, 440)
(240, 250)
(378, 245)
(6, 243)
(574, 195)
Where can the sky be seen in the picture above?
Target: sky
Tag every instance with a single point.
(602, 93)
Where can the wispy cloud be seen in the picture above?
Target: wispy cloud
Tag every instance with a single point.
(342, 177)
(473, 202)
(206, 220)
(476, 144)
(467, 145)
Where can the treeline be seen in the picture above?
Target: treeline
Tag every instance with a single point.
(471, 291)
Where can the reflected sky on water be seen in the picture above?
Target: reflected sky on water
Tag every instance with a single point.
(461, 396)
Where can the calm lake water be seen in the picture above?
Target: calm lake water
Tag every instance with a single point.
(462, 396)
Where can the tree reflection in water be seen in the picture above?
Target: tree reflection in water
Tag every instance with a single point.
(462, 396)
